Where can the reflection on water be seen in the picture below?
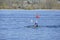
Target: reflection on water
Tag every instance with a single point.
(40, 33)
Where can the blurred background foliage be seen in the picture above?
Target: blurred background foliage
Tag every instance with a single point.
(30, 4)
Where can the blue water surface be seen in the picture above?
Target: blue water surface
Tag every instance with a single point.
(13, 25)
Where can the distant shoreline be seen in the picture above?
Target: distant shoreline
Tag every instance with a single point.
(34, 9)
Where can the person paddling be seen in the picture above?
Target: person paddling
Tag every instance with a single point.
(36, 23)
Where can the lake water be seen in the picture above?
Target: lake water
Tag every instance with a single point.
(13, 25)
